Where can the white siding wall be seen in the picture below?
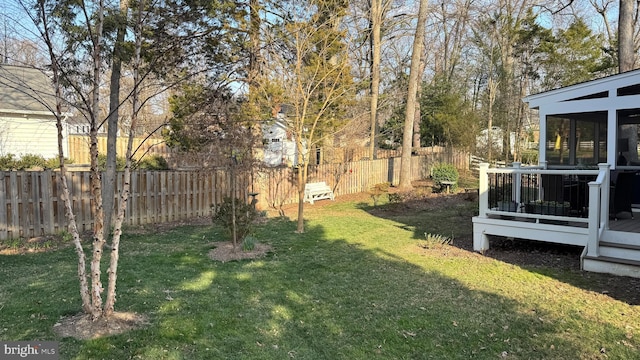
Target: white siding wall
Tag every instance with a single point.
(278, 150)
(30, 135)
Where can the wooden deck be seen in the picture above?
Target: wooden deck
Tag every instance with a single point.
(626, 223)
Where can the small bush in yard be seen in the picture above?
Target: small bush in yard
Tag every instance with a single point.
(245, 215)
(155, 162)
(445, 173)
(378, 190)
(432, 241)
(10, 162)
(249, 243)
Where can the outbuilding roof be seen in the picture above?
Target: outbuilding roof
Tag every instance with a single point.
(25, 90)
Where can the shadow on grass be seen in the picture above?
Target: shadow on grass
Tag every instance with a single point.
(314, 297)
(446, 215)
(451, 217)
(562, 262)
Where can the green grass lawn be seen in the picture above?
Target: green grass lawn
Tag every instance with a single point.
(354, 286)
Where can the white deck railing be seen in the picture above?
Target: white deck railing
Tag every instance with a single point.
(597, 208)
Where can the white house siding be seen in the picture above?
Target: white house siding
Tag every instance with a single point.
(30, 134)
(278, 149)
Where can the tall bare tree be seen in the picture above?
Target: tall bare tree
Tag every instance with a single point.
(626, 48)
(377, 10)
(114, 111)
(74, 34)
(311, 75)
(92, 20)
(414, 79)
(112, 271)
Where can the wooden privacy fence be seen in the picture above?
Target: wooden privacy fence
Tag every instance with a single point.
(276, 186)
(79, 148)
(31, 205)
(475, 161)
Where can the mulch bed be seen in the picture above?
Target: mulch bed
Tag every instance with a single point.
(225, 251)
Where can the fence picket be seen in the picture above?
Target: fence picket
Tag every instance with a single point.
(3, 207)
(13, 201)
(47, 202)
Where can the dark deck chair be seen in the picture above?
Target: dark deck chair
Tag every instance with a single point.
(622, 191)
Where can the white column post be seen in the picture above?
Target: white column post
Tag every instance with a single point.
(483, 191)
(516, 183)
(598, 210)
(543, 164)
(480, 239)
(594, 215)
(605, 194)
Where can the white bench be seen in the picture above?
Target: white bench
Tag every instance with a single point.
(317, 191)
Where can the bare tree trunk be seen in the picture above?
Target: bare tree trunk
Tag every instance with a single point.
(414, 79)
(374, 43)
(255, 58)
(492, 87)
(602, 10)
(98, 238)
(626, 51)
(115, 243)
(66, 197)
(234, 225)
(108, 192)
(68, 207)
(417, 118)
(626, 60)
(415, 143)
(301, 184)
(110, 300)
(96, 185)
(301, 177)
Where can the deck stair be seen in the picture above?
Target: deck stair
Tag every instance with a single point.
(617, 256)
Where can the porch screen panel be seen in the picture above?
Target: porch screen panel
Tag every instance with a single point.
(576, 139)
(591, 141)
(628, 144)
(557, 146)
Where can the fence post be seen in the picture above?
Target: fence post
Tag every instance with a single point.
(483, 198)
(480, 239)
(542, 164)
(605, 195)
(594, 212)
(516, 183)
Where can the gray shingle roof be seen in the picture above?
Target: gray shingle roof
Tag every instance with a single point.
(25, 89)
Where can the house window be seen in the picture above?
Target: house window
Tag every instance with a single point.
(627, 153)
(629, 90)
(576, 139)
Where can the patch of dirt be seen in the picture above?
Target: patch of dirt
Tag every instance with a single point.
(224, 251)
(81, 326)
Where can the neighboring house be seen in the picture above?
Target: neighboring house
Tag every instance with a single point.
(586, 190)
(279, 145)
(27, 105)
(497, 138)
(79, 126)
